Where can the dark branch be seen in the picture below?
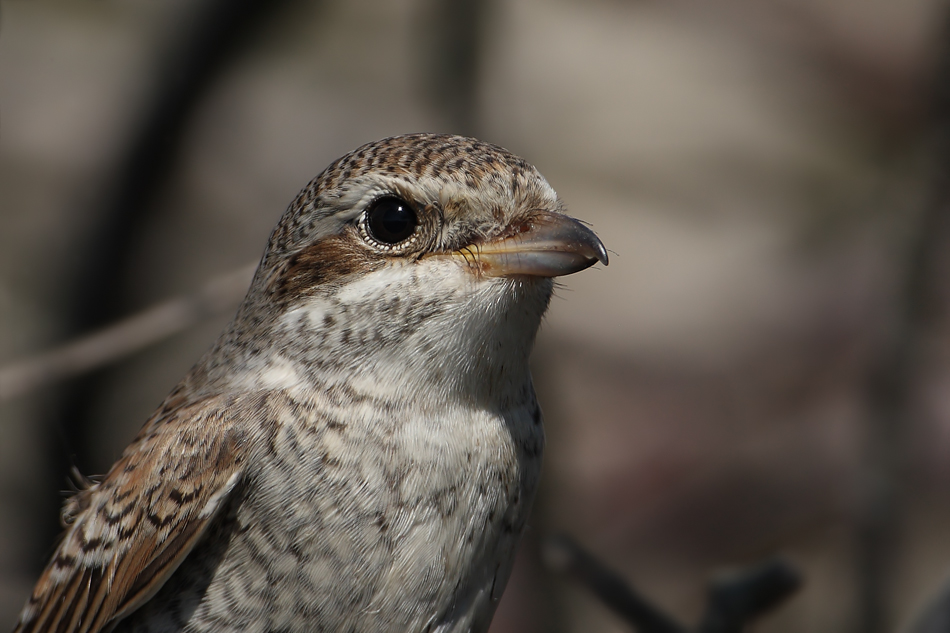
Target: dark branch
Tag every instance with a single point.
(734, 601)
(451, 56)
(899, 366)
(563, 554)
(213, 34)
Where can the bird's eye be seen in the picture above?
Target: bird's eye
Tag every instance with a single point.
(391, 220)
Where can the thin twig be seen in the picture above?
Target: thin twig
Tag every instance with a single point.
(734, 600)
(125, 337)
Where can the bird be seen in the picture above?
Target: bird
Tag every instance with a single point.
(359, 449)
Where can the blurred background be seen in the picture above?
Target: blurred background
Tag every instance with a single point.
(763, 369)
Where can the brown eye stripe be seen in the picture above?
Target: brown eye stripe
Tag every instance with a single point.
(327, 261)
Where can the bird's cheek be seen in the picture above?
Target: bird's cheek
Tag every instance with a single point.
(324, 262)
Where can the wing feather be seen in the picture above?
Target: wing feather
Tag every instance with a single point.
(78, 605)
(131, 531)
(69, 607)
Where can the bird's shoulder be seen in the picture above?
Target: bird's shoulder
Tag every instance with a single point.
(126, 534)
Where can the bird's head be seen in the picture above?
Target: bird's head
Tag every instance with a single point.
(428, 252)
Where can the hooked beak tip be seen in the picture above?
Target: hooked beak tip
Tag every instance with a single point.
(550, 245)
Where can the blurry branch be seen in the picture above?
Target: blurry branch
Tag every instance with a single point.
(898, 366)
(563, 554)
(737, 599)
(734, 600)
(212, 35)
(451, 55)
(935, 616)
(125, 337)
(208, 38)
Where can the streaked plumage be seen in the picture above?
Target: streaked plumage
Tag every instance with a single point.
(360, 448)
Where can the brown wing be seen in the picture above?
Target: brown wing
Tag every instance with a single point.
(131, 531)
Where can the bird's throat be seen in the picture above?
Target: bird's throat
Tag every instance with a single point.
(423, 332)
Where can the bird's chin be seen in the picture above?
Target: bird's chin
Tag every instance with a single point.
(511, 290)
(521, 288)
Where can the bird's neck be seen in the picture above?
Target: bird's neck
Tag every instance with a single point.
(426, 334)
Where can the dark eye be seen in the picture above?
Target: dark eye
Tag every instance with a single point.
(391, 220)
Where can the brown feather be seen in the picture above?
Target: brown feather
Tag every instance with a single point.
(79, 604)
(137, 526)
(69, 602)
(328, 261)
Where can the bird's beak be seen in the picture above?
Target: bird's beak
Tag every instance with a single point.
(547, 245)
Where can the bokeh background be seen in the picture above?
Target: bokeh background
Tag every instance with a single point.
(763, 369)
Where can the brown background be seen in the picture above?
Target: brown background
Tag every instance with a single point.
(756, 167)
